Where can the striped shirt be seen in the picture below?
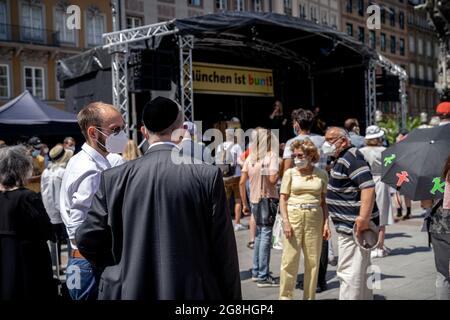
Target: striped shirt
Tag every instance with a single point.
(349, 175)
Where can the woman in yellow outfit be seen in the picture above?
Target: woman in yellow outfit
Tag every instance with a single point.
(305, 219)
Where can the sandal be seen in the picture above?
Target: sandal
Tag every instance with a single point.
(250, 244)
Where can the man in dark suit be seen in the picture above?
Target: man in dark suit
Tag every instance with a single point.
(159, 229)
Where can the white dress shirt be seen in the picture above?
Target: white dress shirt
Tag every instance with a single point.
(51, 180)
(79, 185)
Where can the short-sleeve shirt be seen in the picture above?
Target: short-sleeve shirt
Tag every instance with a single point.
(318, 142)
(304, 188)
(259, 181)
(349, 175)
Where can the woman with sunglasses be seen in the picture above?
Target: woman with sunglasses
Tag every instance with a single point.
(305, 219)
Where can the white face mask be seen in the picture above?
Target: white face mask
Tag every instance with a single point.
(301, 163)
(71, 148)
(115, 143)
(328, 149)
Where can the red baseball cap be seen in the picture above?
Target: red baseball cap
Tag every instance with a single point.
(443, 108)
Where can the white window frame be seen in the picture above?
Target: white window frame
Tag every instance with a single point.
(34, 81)
(65, 15)
(134, 19)
(324, 13)
(42, 25)
(335, 25)
(314, 10)
(8, 81)
(86, 16)
(223, 4)
(258, 5)
(192, 4)
(240, 5)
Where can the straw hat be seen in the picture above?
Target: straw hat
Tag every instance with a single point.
(60, 155)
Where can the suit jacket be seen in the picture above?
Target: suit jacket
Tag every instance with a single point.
(161, 230)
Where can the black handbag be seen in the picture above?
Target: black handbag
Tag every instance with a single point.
(266, 209)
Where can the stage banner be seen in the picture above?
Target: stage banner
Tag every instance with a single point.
(224, 79)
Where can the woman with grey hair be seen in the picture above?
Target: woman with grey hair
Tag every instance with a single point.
(26, 269)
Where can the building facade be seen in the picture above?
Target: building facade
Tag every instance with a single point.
(34, 35)
(405, 39)
(423, 52)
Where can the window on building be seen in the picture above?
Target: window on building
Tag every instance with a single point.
(65, 34)
(349, 6)
(3, 20)
(134, 22)
(421, 72)
(288, 7)
(392, 17)
(239, 5)
(361, 7)
(382, 15)
(361, 34)
(429, 73)
(401, 20)
(195, 3)
(95, 28)
(383, 42)
(419, 46)
(437, 50)
(393, 44)
(60, 93)
(313, 11)
(34, 81)
(429, 53)
(222, 4)
(333, 20)
(412, 44)
(257, 5)
(372, 39)
(32, 22)
(402, 47)
(302, 10)
(412, 70)
(4, 81)
(324, 17)
(349, 28)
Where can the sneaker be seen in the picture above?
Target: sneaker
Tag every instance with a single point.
(251, 244)
(255, 279)
(239, 227)
(378, 253)
(269, 282)
(321, 287)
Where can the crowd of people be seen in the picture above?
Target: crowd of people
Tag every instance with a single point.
(142, 226)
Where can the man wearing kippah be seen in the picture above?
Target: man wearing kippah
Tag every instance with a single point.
(159, 228)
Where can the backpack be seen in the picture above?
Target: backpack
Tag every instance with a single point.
(228, 169)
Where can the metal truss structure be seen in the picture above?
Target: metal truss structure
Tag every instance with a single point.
(371, 94)
(398, 71)
(118, 45)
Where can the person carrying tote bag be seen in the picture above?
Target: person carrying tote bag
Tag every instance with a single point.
(261, 168)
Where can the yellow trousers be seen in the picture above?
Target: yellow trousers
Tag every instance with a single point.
(307, 236)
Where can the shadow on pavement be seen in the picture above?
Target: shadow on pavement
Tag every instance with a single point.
(397, 235)
(389, 276)
(410, 250)
(245, 275)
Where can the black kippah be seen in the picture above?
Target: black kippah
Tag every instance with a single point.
(159, 114)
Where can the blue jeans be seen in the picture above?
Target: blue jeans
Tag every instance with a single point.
(261, 252)
(81, 280)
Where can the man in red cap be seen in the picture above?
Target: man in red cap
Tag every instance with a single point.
(443, 111)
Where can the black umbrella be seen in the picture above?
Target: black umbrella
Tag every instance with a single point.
(415, 165)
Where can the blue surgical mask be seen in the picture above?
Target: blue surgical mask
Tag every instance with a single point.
(35, 153)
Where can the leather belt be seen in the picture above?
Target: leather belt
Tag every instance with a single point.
(76, 254)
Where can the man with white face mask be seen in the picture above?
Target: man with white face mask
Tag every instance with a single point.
(104, 130)
(350, 199)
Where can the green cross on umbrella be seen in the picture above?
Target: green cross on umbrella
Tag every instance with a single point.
(415, 165)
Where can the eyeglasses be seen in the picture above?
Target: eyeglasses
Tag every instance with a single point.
(332, 141)
(115, 131)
